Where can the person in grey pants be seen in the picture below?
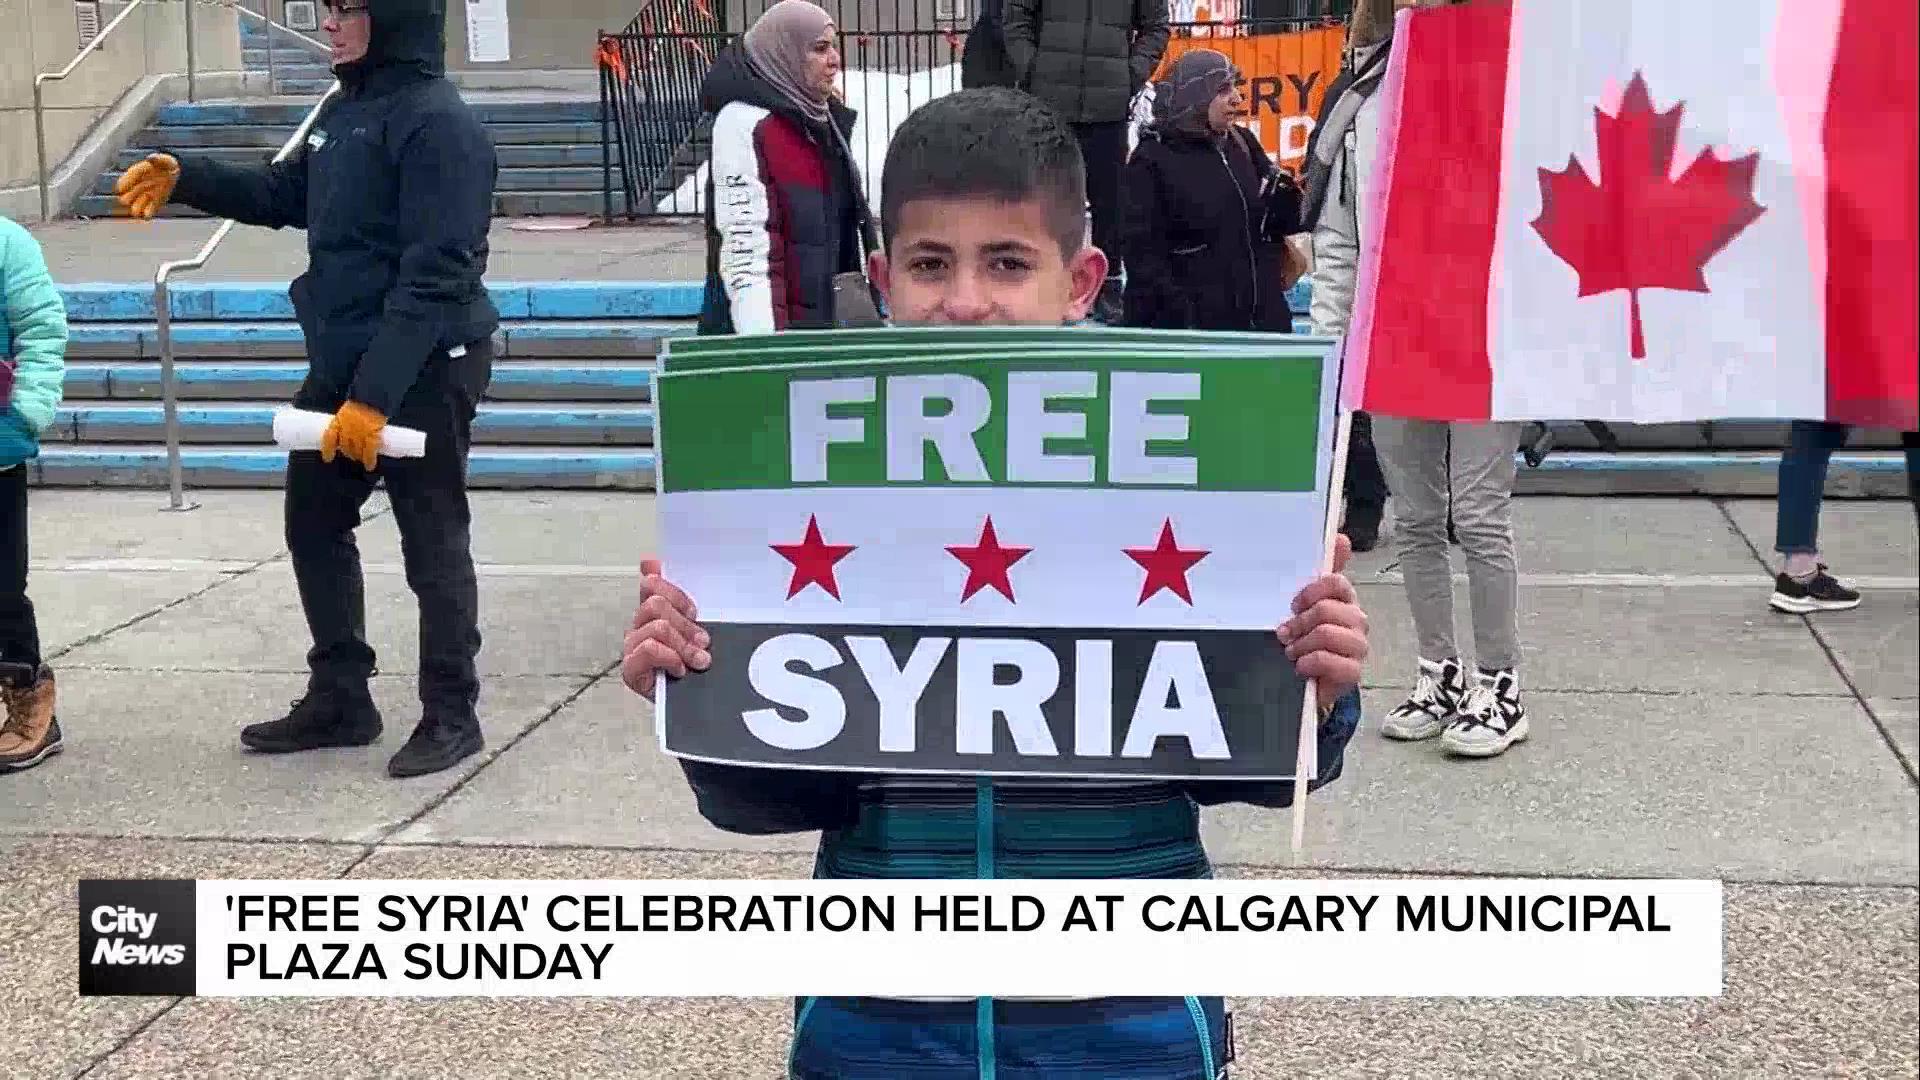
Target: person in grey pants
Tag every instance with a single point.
(1431, 467)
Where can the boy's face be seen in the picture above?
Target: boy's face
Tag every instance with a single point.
(983, 262)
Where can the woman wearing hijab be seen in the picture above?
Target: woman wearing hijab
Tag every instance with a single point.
(785, 213)
(1204, 210)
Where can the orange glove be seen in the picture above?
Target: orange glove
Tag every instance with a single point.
(147, 185)
(355, 432)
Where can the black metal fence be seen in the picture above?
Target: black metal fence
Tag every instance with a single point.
(896, 56)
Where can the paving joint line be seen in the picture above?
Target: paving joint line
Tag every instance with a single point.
(1281, 872)
(382, 675)
(226, 577)
(1906, 763)
(1479, 875)
(139, 1029)
(460, 785)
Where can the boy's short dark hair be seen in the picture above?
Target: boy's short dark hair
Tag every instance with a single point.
(990, 142)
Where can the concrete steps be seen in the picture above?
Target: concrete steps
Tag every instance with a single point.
(551, 158)
(569, 406)
(296, 68)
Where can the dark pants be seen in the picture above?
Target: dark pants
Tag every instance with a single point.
(1803, 481)
(19, 630)
(1366, 485)
(429, 498)
(1103, 147)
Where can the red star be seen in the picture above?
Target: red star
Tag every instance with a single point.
(1166, 565)
(987, 563)
(813, 560)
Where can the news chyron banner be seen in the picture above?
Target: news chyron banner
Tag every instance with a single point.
(1038, 552)
(664, 938)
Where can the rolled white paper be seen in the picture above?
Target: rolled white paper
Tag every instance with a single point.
(300, 429)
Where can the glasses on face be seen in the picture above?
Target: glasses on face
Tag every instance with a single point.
(347, 7)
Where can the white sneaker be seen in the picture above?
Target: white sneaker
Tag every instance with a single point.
(1434, 703)
(1490, 720)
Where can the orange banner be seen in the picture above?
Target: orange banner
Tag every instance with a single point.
(1287, 76)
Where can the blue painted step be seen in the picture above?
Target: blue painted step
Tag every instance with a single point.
(511, 204)
(252, 422)
(192, 136)
(582, 178)
(531, 156)
(261, 467)
(289, 114)
(277, 380)
(259, 301)
(533, 339)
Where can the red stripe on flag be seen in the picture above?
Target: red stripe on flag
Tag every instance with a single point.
(1423, 338)
(1873, 226)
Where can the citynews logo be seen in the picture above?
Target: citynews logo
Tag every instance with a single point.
(119, 950)
(136, 938)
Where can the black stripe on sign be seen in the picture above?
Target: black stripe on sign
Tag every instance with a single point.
(1166, 704)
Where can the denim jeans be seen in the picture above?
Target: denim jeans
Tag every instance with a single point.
(1803, 480)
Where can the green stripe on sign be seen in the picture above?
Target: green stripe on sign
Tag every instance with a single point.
(1206, 421)
(692, 354)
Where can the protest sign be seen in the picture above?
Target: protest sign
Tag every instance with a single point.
(994, 552)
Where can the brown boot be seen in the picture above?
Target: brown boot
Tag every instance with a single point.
(31, 733)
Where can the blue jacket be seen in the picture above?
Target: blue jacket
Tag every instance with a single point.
(395, 189)
(33, 341)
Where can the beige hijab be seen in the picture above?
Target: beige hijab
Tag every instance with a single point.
(777, 45)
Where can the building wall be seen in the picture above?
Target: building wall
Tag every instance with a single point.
(42, 35)
(543, 35)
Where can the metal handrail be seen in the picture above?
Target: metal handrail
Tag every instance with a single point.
(312, 43)
(39, 100)
(163, 312)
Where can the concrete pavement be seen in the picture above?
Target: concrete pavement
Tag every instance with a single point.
(1681, 729)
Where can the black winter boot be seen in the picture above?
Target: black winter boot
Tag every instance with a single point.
(436, 744)
(321, 719)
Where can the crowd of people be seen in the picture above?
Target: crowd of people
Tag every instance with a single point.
(1013, 201)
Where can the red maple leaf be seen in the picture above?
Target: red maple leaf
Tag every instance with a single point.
(1636, 228)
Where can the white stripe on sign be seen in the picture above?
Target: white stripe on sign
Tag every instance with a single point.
(1756, 341)
(1227, 550)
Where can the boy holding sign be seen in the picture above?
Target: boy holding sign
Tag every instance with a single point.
(984, 216)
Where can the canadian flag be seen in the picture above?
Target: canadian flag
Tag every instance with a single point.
(1642, 210)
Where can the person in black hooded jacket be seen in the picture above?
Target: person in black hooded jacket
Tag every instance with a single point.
(1204, 210)
(394, 186)
(785, 211)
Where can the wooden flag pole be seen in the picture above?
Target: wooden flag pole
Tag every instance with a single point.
(1307, 761)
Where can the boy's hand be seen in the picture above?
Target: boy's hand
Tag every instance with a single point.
(664, 637)
(1327, 637)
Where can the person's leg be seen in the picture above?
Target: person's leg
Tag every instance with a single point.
(19, 628)
(1802, 584)
(431, 508)
(1413, 454)
(1484, 463)
(1103, 148)
(322, 509)
(1366, 486)
(30, 732)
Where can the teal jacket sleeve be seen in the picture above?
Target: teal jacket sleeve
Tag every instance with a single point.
(36, 326)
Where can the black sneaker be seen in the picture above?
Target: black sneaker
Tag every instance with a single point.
(320, 720)
(435, 746)
(1821, 592)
